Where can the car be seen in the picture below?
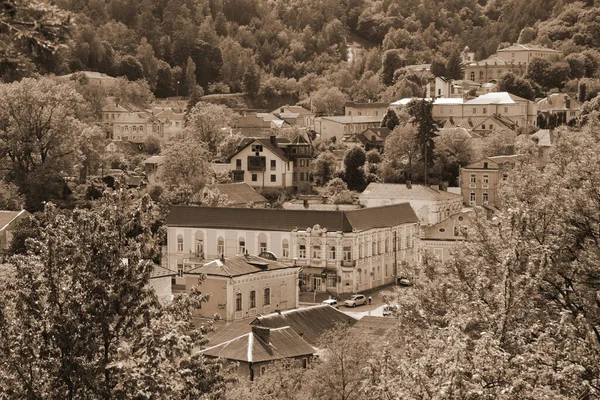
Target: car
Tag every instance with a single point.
(355, 300)
(404, 282)
(331, 302)
(389, 310)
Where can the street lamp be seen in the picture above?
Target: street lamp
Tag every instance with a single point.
(177, 90)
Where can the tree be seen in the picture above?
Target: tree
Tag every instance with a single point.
(164, 80)
(10, 199)
(511, 83)
(421, 116)
(354, 174)
(136, 93)
(145, 55)
(39, 131)
(499, 142)
(129, 67)
(392, 60)
(228, 146)
(400, 155)
(89, 322)
(207, 122)
(338, 192)
(251, 80)
(438, 67)
(190, 76)
(324, 166)
(211, 60)
(152, 144)
(454, 68)
(328, 101)
(390, 120)
(186, 163)
(453, 150)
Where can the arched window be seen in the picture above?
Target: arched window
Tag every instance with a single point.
(472, 75)
(238, 302)
(242, 246)
(480, 74)
(179, 243)
(252, 299)
(267, 297)
(199, 244)
(220, 246)
(285, 249)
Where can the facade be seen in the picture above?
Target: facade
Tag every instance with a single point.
(244, 286)
(8, 223)
(339, 251)
(258, 123)
(430, 204)
(372, 138)
(151, 167)
(558, 109)
(442, 237)
(523, 53)
(255, 350)
(330, 127)
(160, 280)
(132, 126)
(544, 139)
(366, 109)
(173, 123)
(296, 116)
(480, 180)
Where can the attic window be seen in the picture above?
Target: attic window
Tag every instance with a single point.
(257, 147)
(485, 165)
(442, 230)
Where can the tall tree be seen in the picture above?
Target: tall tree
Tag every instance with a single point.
(354, 174)
(454, 68)
(421, 116)
(208, 123)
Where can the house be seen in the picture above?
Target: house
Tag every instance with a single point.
(160, 280)
(151, 167)
(339, 251)
(244, 286)
(479, 181)
(476, 127)
(558, 109)
(430, 204)
(544, 139)
(309, 322)
(366, 109)
(442, 237)
(173, 123)
(524, 53)
(296, 116)
(258, 123)
(238, 194)
(128, 125)
(300, 152)
(255, 350)
(8, 223)
(369, 139)
(124, 148)
(330, 127)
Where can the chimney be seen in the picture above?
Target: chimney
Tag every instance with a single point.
(222, 257)
(262, 332)
(305, 203)
(273, 140)
(567, 102)
(408, 185)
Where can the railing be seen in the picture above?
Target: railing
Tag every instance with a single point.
(349, 263)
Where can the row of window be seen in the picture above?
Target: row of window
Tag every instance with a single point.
(252, 299)
(331, 253)
(486, 179)
(273, 178)
(241, 246)
(484, 198)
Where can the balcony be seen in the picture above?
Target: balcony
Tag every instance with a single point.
(348, 263)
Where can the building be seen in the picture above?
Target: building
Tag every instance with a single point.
(258, 123)
(238, 194)
(544, 139)
(449, 88)
(524, 53)
(244, 286)
(255, 350)
(480, 180)
(370, 139)
(366, 109)
(330, 127)
(339, 251)
(132, 126)
(442, 237)
(161, 281)
(558, 109)
(151, 168)
(431, 205)
(8, 223)
(296, 116)
(173, 123)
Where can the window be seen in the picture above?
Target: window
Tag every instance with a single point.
(347, 253)
(360, 250)
(242, 246)
(472, 75)
(257, 163)
(331, 280)
(302, 163)
(273, 178)
(301, 176)
(480, 74)
(316, 252)
(482, 126)
(484, 110)
(485, 198)
(386, 270)
(267, 297)
(505, 109)
(238, 302)
(474, 110)
(252, 299)
(302, 251)
(486, 179)
(472, 197)
(273, 165)
(179, 243)
(387, 245)
(220, 246)
(504, 177)
(180, 270)
(238, 163)
(332, 253)
(374, 247)
(456, 230)
(134, 128)
(141, 128)
(263, 246)
(257, 148)
(473, 178)
(285, 246)
(254, 177)
(485, 165)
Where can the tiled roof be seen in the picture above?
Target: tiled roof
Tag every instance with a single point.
(497, 98)
(6, 217)
(492, 60)
(288, 220)
(309, 322)
(282, 343)
(158, 160)
(238, 265)
(376, 327)
(266, 142)
(382, 132)
(526, 47)
(507, 159)
(402, 192)
(544, 138)
(293, 109)
(350, 119)
(239, 193)
(366, 105)
(170, 114)
(556, 101)
(161, 272)
(228, 332)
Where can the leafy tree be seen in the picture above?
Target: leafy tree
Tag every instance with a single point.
(190, 76)
(328, 101)
(211, 60)
(453, 150)
(516, 85)
(421, 117)
(338, 192)
(251, 80)
(324, 166)
(207, 123)
(10, 199)
(392, 60)
(228, 146)
(152, 145)
(145, 55)
(164, 80)
(438, 67)
(354, 174)
(390, 120)
(499, 142)
(186, 163)
(137, 94)
(400, 155)
(130, 67)
(454, 68)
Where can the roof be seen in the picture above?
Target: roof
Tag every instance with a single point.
(378, 327)
(161, 272)
(283, 342)
(289, 220)
(399, 191)
(557, 101)
(544, 138)
(170, 114)
(158, 160)
(440, 101)
(526, 47)
(492, 60)
(239, 193)
(497, 98)
(266, 142)
(113, 107)
(228, 332)
(353, 119)
(507, 159)
(366, 105)
(309, 322)
(127, 147)
(220, 167)
(6, 217)
(294, 109)
(382, 132)
(237, 266)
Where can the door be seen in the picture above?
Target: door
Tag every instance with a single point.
(316, 283)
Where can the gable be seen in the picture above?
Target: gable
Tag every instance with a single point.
(480, 164)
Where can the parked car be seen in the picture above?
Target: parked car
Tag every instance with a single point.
(355, 300)
(331, 302)
(404, 282)
(389, 310)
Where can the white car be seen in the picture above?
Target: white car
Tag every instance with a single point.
(355, 300)
(331, 302)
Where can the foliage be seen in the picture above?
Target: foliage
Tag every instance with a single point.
(338, 192)
(499, 142)
(186, 163)
(207, 122)
(10, 199)
(390, 120)
(421, 116)
(354, 174)
(400, 155)
(324, 167)
(152, 145)
(328, 101)
(453, 150)
(516, 85)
